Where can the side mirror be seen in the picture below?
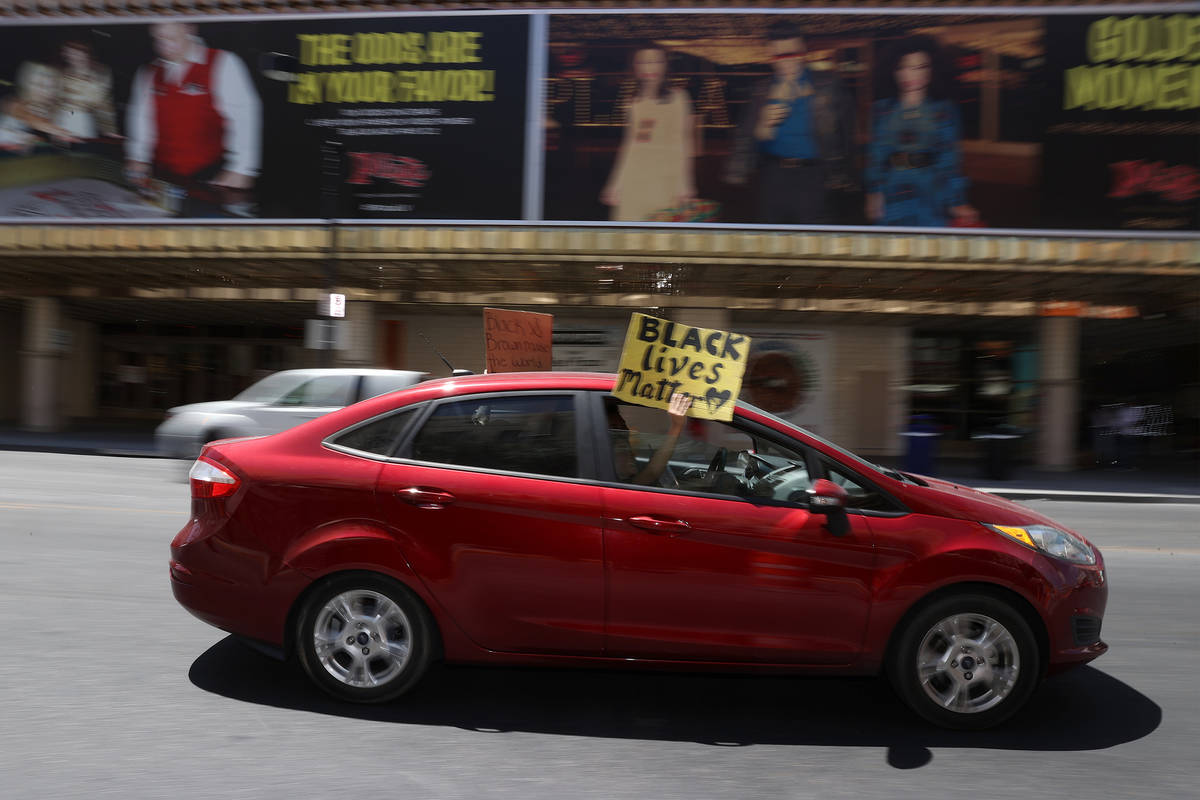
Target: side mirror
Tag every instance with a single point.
(828, 499)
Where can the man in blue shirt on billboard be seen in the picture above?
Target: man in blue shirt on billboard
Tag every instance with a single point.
(798, 129)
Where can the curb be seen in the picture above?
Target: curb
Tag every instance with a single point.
(1083, 496)
(77, 450)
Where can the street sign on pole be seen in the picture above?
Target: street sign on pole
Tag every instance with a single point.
(331, 305)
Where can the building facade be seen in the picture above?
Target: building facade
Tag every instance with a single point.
(859, 326)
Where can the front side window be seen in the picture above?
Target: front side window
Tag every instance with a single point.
(861, 496)
(519, 433)
(708, 456)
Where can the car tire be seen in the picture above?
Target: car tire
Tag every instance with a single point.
(364, 638)
(967, 662)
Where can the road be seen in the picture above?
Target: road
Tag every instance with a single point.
(110, 689)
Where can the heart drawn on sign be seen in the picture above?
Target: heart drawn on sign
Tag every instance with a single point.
(716, 399)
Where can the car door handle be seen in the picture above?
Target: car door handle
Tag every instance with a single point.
(425, 498)
(671, 527)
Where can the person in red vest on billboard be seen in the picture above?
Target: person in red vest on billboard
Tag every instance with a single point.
(194, 122)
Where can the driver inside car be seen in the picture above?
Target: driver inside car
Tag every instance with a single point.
(624, 461)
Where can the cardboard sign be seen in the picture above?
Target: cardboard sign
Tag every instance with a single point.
(516, 341)
(663, 357)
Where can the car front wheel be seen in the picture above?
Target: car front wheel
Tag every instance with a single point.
(364, 638)
(967, 662)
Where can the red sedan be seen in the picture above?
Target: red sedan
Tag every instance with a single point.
(533, 519)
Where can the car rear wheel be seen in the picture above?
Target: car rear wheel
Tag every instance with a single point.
(364, 638)
(967, 662)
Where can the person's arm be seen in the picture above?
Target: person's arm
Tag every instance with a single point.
(140, 127)
(680, 403)
(237, 102)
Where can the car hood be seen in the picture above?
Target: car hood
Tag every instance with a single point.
(947, 499)
(216, 407)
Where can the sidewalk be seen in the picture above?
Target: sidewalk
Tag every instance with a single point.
(1175, 482)
(109, 438)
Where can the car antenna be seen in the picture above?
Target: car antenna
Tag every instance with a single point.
(453, 372)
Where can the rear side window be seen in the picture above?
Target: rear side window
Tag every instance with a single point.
(377, 437)
(521, 433)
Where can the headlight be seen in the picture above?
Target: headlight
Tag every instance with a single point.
(1052, 541)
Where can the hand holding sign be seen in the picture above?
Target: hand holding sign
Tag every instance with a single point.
(663, 358)
(680, 403)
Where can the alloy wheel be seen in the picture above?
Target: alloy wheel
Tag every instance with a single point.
(362, 638)
(968, 663)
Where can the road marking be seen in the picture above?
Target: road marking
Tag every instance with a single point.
(56, 506)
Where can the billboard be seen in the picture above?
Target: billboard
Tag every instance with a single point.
(1076, 119)
(393, 117)
(1068, 121)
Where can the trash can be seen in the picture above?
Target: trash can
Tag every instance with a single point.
(999, 451)
(920, 452)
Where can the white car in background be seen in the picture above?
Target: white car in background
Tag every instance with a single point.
(277, 402)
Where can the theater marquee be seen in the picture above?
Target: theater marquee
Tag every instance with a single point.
(1076, 119)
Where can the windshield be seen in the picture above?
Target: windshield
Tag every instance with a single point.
(272, 387)
(891, 473)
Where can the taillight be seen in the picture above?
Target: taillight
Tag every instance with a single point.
(211, 480)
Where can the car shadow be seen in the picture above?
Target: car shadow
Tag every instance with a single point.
(1082, 710)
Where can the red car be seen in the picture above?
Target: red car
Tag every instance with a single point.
(525, 519)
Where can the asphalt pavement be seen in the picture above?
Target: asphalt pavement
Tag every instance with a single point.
(112, 690)
(1173, 479)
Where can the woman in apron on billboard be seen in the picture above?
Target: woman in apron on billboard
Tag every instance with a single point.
(653, 170)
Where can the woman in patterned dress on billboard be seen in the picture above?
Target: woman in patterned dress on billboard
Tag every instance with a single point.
(914, 160)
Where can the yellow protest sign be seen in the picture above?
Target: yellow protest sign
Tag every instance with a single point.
(661, 357)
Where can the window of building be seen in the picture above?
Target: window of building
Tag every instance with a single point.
(969, 383)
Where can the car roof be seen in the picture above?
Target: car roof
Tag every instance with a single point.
(500, 381)
(317, 371)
